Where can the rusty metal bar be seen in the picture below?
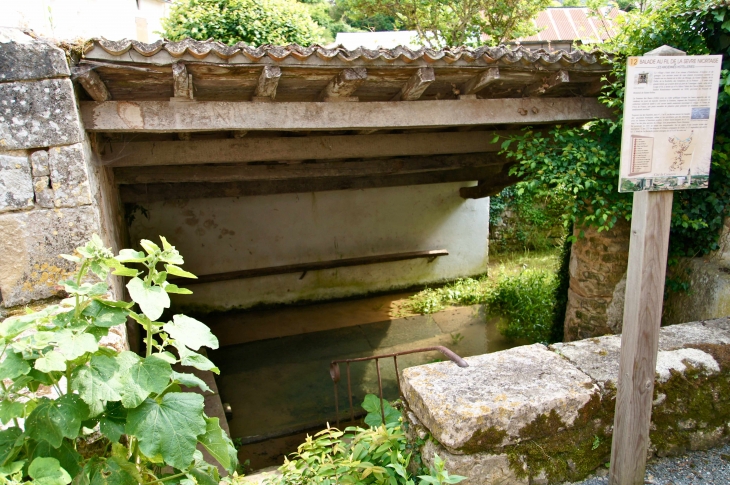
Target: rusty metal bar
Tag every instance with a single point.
(335, 374)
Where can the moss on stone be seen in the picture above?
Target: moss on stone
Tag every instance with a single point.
(484, 439)
(565, 453)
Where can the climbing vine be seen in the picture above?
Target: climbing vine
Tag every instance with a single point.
(585, 160)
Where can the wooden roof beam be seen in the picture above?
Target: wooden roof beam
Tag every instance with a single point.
(490, 186)
(162, 117)
(343, 85)
(416, 85)
(240, 150)
(480, 81)
(92, 84)
(183, 82)
(141, 193)
(548, 84)
(285, 171)
(268, 82)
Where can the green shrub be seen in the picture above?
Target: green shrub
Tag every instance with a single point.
(118, 417)
(255, 22)
(527, 303)
(377, 455)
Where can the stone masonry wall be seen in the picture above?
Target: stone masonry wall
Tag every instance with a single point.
(538, 415)
(598, 265)
(51, 198)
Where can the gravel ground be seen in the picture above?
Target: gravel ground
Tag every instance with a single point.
(709, 467)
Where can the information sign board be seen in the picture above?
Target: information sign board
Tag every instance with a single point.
(669, 119)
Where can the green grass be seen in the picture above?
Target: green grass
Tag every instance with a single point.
(518, 286)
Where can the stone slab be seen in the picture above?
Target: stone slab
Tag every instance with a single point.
(31, 243)
(16, 183)
(39, 163)
(497, 396)
(479, 468)
(599, 357)
(38, 114)
(24, 58)
(69, 179)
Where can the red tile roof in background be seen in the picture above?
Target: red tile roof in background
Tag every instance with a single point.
(572, 23)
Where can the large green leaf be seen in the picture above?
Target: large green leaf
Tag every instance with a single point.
(113, 420)
(151, 374)
(190, 332)
(194, 359)
(52, 420)
(50, 362)
(130, 256)
(151, 299)
(13, 366)
(169, 428)
(111, 471)
(218, 445)
(65, 454)
(97, 383)
(10, 444)
(48, 471)
(132, 393)
(13, 326)
(10, 410)
(190, 380)
(73, 345)
(105, 315)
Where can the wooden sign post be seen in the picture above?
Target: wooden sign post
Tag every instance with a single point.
(652, 166)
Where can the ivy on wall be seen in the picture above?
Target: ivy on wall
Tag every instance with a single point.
(584, 161)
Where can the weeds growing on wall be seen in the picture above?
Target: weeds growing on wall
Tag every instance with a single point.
(526, 298)
(76, 410)
(379, 454)
(585, 160)
(525, 217)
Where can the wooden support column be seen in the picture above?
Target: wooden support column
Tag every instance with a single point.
(416, 85)
(268, 82)
(342, 86)
(650, 220)
(183, 87)
(480, 81)
(92, 84)
(548, 84)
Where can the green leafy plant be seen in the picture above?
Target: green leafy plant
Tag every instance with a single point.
(376, 455)
(374, 418)
(526, 301)
(254, 22)
(95, 415)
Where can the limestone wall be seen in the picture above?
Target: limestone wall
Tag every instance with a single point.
(51, 197)
(534, 415)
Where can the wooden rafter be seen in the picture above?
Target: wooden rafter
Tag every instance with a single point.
(342, 86)
(416, 85)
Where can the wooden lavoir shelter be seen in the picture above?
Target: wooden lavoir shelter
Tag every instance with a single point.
(189, 120)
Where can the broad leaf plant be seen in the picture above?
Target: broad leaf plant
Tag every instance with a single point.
(74, 410)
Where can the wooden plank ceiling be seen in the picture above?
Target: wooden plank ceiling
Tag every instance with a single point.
(200, 119)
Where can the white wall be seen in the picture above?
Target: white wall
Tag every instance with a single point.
(84, 19)
(228, 234)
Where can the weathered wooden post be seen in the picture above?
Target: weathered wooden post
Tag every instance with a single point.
(669, 114)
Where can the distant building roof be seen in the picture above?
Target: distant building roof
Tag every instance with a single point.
(565, 24)
(376, 40)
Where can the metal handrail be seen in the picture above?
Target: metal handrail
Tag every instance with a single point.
(335, 374)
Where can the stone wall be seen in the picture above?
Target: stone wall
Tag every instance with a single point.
(537, 415)
(598, 265)
(51, 197)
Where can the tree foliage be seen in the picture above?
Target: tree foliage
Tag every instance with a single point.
(453, 22)
(585, 160)
(255, 22)
(118, 417)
